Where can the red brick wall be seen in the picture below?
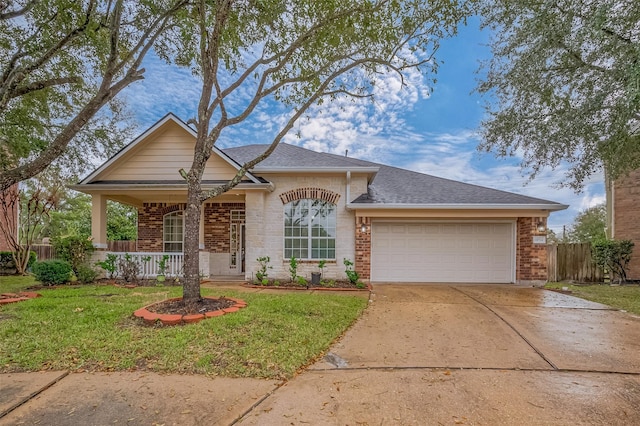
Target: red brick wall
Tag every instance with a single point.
(626, 217)
(150, 219)
(531, 259)
(10, 193)
(363, 248)
(217, 217)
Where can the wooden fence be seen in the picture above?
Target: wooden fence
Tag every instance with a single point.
(46, 251)
(572, 262)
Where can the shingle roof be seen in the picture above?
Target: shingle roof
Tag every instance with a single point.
(291, 156)
(391, 185)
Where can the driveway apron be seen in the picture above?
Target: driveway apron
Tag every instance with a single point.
(470, 354)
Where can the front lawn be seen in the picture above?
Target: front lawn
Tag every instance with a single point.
(92, 328)
(620, 297)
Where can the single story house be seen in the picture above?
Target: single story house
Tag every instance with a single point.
(624, 210)
(395, 225)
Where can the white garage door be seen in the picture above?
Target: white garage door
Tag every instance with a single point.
(442, 252)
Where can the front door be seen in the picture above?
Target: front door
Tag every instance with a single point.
(236, 240)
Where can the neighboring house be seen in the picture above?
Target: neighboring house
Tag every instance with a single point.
(8, 217)
(396, 225)
(625, 216)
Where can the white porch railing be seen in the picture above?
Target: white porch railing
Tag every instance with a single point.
(148, 262)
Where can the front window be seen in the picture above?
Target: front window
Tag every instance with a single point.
(310, 229)
(173, 232)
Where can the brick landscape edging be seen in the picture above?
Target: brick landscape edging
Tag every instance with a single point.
(6, 298)
(173, 319)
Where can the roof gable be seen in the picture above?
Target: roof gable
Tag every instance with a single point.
(159, 153)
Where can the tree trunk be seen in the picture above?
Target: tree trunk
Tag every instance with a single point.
(191, 285)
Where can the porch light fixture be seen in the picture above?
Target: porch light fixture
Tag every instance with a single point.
(363, 228)
(541, 227)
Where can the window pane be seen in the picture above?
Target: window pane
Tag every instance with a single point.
(309, 229)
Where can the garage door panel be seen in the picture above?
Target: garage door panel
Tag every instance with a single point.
(442, 252)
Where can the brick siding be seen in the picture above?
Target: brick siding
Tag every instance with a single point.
(217, 217)
(626, 217)
(363, 248)
(531, 259)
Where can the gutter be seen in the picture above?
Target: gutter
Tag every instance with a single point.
(139, 187)
(460, 206)
(348, 189)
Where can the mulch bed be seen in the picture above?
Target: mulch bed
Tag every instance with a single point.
(179, 307)
(176, 312)
(291, 285)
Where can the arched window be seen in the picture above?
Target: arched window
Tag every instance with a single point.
(310, 229)
(173, 232)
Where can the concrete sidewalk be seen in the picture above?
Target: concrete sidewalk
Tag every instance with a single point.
(421, 354)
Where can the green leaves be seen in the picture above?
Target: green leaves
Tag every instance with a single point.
(563, 85)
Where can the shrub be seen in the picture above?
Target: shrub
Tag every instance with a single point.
(293, 268)
(262, 274)
(76, 250)
(6, 260)
(129, 268)
(351, 274)
(110, 264)
(86, 274)
(613, 255)
(51, 272)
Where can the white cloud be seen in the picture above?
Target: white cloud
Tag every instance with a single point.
(375, 130)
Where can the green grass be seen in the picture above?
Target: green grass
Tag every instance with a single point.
(92, 328)
(15, 283)
(620, 297)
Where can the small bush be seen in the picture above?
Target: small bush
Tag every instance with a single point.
(614, 256)
(110, 265)
(351, 274)
(76, 250)
(51, 272)
(6, 260)
(129, 268)
(86, 274)
(262, 273)
(293, 269)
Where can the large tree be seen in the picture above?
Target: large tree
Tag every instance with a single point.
(589, 225)
(564, 85)
(61, 62)
(296, 53)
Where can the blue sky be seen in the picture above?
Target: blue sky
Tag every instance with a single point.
(408, 128)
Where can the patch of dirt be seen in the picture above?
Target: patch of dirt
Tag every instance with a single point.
(179, 307)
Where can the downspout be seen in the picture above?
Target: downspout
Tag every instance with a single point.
(348, 189)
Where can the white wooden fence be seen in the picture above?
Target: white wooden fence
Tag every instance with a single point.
(148, 262)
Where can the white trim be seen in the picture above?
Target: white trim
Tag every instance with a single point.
(161, 186)
(169, 117)
(400, 206)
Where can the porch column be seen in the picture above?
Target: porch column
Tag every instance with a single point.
(99, 220)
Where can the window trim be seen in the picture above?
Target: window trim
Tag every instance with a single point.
(310, 238)
(176, 213)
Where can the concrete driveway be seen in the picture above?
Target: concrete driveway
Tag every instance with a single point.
(421, 354)
(471, 354)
